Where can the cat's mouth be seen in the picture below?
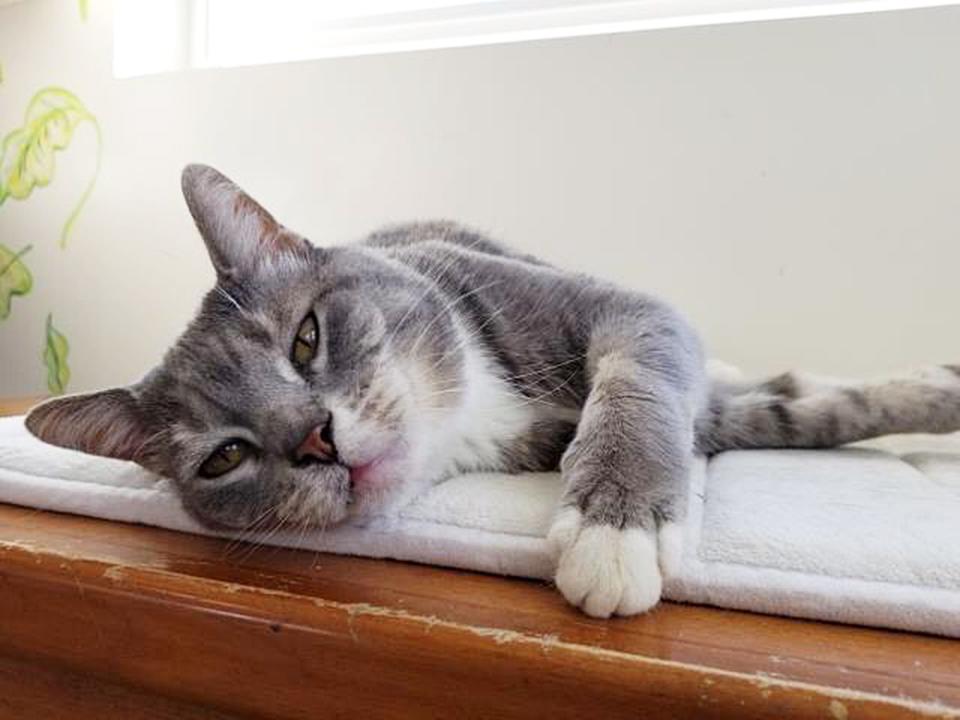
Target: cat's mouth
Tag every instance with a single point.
(377, 473)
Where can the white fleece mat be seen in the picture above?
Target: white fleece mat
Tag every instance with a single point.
(858, 535)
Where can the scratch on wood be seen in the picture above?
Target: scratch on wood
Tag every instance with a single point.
(838, 710)
(763, 681)
(840, 697)
(501, 636)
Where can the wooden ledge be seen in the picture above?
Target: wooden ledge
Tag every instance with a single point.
(112, 620)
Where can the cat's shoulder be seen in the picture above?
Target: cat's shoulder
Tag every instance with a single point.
(457, 235)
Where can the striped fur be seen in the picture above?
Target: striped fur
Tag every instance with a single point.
(792, 412)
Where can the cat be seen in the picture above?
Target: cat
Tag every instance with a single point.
(318, 384)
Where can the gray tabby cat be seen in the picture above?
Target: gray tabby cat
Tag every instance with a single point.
(318, 384)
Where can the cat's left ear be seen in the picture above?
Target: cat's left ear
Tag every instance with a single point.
(109, 423)
(241, 236)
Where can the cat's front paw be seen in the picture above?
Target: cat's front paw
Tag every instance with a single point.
(604, 570)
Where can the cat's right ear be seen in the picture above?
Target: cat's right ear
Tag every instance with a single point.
(109, 423)
(241, 236)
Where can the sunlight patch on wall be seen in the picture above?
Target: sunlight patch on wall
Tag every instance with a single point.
(153, 37)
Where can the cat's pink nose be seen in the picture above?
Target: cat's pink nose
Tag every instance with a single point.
(317, 445)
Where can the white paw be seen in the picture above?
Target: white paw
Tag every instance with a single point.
(670, 548)
(603, 570)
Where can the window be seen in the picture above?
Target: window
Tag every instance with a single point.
(155, 36)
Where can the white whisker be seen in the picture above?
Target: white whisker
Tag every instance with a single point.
(230, 298)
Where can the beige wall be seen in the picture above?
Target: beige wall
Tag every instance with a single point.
(792, 185)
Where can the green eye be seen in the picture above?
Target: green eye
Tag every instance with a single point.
(225, 458)
(305, 343)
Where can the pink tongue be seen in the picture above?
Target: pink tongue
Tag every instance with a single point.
(360, 475)
(372, 473)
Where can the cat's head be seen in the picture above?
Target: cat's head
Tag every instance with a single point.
(304, 390)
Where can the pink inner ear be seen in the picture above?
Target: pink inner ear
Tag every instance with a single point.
(124, 443)
(283, 241)
(273, 238)
(104, 424)
(244, 205)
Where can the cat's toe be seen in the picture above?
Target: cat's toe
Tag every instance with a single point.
(642, 583)
(563, 531)
(604, 570)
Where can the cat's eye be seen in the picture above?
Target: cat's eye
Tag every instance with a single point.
(304, 348)
(225, 458)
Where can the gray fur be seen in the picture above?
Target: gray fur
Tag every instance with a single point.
(784, 414)
(615, 379)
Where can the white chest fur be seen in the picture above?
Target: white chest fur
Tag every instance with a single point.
(489, 417)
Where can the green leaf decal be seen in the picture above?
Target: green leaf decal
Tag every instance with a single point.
(55, 353)
(27, 157)
(15, 279)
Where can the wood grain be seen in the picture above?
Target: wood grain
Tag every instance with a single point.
(29, 691)
(265, 632)
(16, 406)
